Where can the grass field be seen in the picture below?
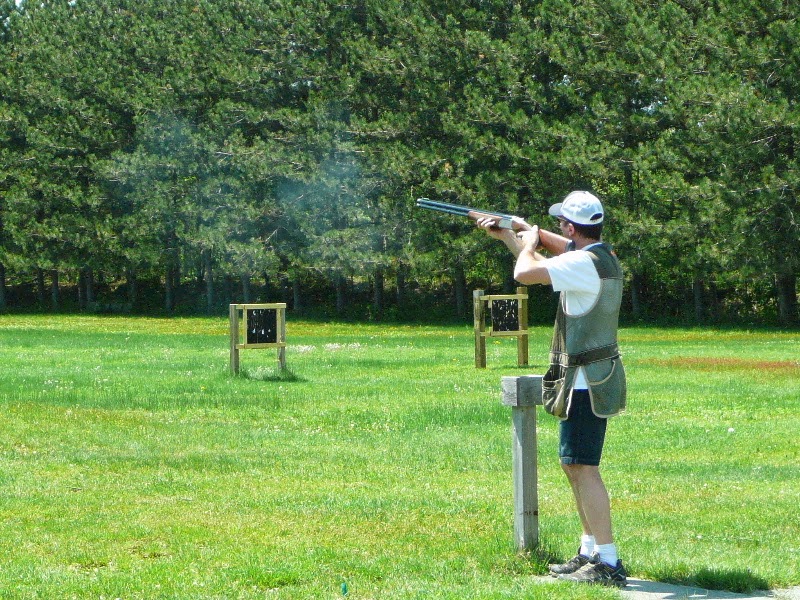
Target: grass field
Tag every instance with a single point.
(133, 465)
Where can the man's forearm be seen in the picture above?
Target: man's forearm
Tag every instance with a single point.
(512, 242)
(552, 242)
(529, 268)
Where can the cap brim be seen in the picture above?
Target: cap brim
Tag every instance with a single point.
(555, 210)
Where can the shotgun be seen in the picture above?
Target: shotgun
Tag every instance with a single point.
(549, 241)
(503, 221)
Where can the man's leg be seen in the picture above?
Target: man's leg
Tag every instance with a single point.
(581, 438)
(591, 500)
(594, 508)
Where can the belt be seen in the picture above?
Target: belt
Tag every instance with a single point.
(594, 355)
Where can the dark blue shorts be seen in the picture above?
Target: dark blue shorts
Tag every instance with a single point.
(582, 434)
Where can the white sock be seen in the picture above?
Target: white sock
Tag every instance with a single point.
(587, 545)
(608, 553)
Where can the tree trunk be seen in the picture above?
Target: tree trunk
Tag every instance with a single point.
(460, 290)
(267, 286)
(82, 304)
(510, 284)
(169, 292)
(55, 296)
(130, 275)
(636, 295)
(89, 283)
(377, 293)
(40, 286)
(246, 288)
(3, 298)
(285, 289)
(786, 290)
(698, 294)
(297, 296)
(400, 288)
(229, 294)
(341, 284)
(208, 274)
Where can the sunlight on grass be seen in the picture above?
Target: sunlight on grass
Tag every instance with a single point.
(135, 465)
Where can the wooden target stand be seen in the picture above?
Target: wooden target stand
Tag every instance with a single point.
(508, 315)
(263, 325)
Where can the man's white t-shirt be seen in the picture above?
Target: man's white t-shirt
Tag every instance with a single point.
(574, 274)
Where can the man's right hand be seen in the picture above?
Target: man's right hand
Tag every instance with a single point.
(529, 238)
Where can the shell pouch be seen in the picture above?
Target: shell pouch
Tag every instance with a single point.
(554, 392)
(607, 386)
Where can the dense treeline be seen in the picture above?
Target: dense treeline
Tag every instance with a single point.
(203, 152)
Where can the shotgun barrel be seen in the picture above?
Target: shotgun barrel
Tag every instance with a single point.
(503, 221)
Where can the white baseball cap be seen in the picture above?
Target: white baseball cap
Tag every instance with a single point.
(582, 208)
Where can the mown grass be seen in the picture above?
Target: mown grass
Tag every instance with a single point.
(134, 466)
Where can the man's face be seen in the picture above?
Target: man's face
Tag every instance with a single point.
(567, 230)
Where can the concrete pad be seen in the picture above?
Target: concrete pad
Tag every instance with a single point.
(639, 589)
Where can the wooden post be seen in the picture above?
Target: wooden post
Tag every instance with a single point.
(478, 308)
(282, 338)
(522, 394)
(522, 340)
(234, 321)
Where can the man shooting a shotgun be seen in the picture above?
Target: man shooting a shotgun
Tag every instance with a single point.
(585, 384)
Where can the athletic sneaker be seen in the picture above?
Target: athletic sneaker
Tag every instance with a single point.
(600, 573)
(572, 565)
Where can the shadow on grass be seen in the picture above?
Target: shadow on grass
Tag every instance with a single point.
(737, 581)
(277, 374)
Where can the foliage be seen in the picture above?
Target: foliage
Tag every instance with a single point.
(289, 140)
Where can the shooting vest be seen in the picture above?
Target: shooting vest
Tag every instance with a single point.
(589, 340)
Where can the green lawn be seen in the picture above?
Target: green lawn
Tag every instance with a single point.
(134, 466)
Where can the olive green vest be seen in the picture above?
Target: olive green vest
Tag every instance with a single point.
(590, 341)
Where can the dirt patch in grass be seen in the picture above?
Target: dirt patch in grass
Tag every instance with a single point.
(715, 363)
